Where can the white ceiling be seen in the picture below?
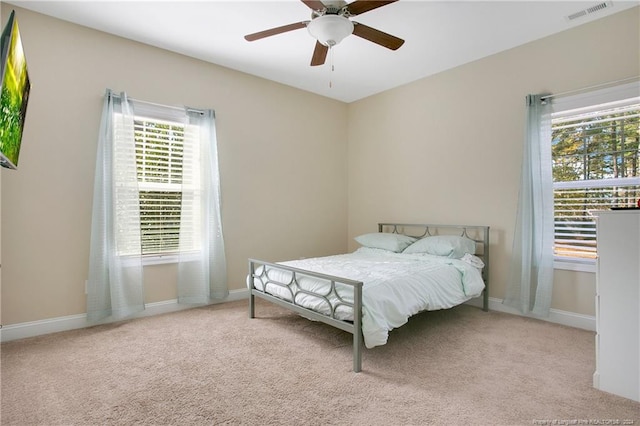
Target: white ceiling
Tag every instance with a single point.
(438, 35)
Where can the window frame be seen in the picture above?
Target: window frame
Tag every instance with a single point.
(145, 111)
(561, 108)
(159, 172)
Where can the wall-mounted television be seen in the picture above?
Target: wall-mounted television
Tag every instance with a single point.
(15, 93)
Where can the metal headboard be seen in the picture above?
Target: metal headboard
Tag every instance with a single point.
(479, 234)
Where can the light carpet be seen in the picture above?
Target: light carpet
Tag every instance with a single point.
(213, 365)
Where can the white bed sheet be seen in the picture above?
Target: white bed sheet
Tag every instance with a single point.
(396, 286)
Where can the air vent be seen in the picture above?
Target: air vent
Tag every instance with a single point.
(588, 11)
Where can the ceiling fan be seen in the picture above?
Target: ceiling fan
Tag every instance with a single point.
(330, 24)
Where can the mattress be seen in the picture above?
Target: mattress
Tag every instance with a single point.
(395, 286)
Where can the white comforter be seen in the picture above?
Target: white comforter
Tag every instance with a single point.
(396, 286)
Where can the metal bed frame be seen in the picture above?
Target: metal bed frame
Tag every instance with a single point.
(258, 269)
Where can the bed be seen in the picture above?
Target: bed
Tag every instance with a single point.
(399, 271)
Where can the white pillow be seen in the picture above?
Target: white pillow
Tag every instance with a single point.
(386, 241)
(452, 246)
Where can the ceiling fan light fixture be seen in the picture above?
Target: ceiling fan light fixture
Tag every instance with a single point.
(329, 30)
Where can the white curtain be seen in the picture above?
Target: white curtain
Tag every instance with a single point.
(115, 284)
(531, 273)
(202, 272)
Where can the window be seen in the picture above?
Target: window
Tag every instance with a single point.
(159, 152)
(596, 165)
(166, 195)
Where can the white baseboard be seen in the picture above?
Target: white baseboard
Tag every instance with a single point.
(72, 322)
(571, 319)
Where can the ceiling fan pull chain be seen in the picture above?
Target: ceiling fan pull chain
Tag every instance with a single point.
(331, 59)
(331, 68)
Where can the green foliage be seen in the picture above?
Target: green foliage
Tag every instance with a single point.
(15, 90)
(601, 147)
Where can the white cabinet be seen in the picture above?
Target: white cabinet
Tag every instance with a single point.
(618, 303)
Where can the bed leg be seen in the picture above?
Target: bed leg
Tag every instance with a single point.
(252, 298)
(357, 328)
(357, 352)
(252, 305)
(485, 301)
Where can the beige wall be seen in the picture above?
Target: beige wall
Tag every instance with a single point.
(264, 131)
(447, 149)
(444, 149)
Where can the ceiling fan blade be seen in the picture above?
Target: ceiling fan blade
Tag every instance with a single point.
(319, 54)
(274, 31)
(314, 4)
(361, 6)
(377, 36)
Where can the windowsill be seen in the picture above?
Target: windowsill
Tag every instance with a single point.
(575, 265)
(159, 259)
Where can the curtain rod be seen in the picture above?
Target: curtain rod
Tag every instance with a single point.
(189, 109)
(597, 86)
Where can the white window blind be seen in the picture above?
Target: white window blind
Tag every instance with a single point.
(159, 161)
(596, 163)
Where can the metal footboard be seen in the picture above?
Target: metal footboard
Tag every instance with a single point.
(330, 296)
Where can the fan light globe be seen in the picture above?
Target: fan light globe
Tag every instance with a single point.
(330, 29)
